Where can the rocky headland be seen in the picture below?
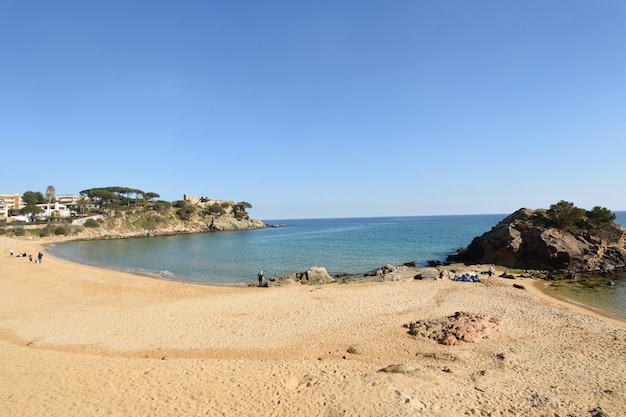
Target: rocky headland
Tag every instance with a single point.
(551, 240)
(190, 215)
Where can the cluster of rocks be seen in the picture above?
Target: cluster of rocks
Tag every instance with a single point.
(529, 239)
(461, 327)
(391, 272)
(312, 276)
(388, 272)
(384, 273)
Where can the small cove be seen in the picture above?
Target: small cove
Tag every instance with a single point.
(347, 245)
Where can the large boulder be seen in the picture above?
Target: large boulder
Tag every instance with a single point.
(313, 276)
(316, 275)
(529, 239)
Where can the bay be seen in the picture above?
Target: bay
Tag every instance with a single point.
(345, 245)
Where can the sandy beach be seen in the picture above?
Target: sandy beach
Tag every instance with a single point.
(82, 341)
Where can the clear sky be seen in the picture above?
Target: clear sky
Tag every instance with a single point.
(319, 108)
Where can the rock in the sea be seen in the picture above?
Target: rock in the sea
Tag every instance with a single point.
(529, 239)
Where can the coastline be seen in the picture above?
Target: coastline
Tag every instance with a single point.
(77, 339)
(540, 288)
(539, 284)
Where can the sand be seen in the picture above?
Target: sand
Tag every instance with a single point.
(83, 341)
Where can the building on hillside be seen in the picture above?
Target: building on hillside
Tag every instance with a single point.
(68, 199)
(4, 210)
(50, 210)
(13, 201)
(9, 202)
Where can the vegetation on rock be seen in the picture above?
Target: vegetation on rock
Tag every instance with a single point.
(113, 212)
(564, 237)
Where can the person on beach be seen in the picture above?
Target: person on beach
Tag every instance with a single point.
(260, 275)
(491, 270)
(39, 256)
(11, 250)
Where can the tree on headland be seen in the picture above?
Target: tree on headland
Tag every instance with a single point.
(118, 196)
(83, 203)
(599, 217)
(567, 216)
(150, 196)
(239, 210)
(31, 198)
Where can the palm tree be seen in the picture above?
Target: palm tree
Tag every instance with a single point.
(82, 204)
(50, 194)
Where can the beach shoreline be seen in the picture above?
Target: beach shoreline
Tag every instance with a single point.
(82, 340)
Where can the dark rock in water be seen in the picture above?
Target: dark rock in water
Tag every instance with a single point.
(410, 264)
(530, 239)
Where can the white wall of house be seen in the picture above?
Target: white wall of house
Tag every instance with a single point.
(48, 210)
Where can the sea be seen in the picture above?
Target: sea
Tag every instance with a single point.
(342, 245)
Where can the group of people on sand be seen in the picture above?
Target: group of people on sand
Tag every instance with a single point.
(27, 255)
(466, 276)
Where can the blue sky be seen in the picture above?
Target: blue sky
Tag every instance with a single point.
(319, 109)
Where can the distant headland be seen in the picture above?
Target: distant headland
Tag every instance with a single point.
(118, 212)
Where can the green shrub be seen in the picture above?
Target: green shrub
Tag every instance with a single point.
(215, 209)
(162, 207)
(92, 223)
(186, 212)
(60, 231)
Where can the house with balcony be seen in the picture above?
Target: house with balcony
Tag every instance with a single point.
(51, 210)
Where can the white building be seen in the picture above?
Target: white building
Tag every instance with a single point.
(68, 199)
(49, 210)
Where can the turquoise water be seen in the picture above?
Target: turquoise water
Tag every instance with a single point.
(348, 245)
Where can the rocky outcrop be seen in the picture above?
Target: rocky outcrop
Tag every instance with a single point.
(528, 239)
(461, 327)
(313, 276)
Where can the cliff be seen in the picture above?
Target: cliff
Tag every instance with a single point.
(530, 239)
(152, 220)
(129, 224)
